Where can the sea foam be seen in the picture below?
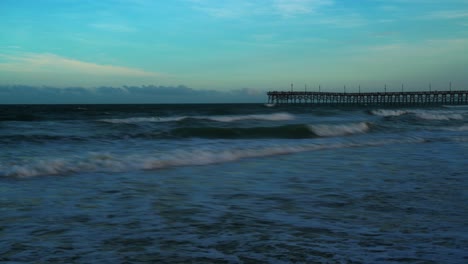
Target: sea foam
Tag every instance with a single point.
(333, 130)
(108, 162)
(438, 115)
(388, 112)
(220, 118)
(421, 114)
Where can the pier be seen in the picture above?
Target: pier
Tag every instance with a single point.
(372, 98)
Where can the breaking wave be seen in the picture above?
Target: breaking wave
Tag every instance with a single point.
(388, 112)
(227, 118)
(287, 131)
(135, 120)
(108, 162)
(421, 114)
(457, 129)
(339, 129)
(440, 116)
(294, 131)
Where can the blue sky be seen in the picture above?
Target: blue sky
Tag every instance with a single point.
(243, 47)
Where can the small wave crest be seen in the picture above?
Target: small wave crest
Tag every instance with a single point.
(334, 130)
(388, 112)
(59, 166)
(456, 106)
(19, 117)
(108, 162)
(438, 116)
(287, 131)
(135, 120)
(457, 129)
(421, 114)
(261, 117)
(227, 118)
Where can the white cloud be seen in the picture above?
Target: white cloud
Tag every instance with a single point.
(47, 62)
(299, 7)
(119, 28)
(386, 48)
(345, 21)
(225, 9)
(430, 51)
(27, 94)
(448, 14)
(240, 8)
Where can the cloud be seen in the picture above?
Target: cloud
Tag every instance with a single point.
(448, 14)
(224, 9)
(299, 7)
(384, 34)
(119, 28)
(427, 49)
(23, 94)
(47, 62)
(241, 8)
(344, 21)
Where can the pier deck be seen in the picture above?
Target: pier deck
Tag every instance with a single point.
(375, 98)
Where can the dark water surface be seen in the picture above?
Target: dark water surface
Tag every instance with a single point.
(233, 184)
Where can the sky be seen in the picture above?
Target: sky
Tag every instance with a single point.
(109, 51)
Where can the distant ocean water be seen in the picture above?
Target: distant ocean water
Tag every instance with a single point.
(233, 183)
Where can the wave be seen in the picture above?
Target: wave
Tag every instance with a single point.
(295, 131)
(14, 139)
(288, 131)
(421, 114)
(135, 120)
(108, 162)
(334, 130)
(439, 116)
(388, 112)
(20, 117)
(457, 129)
(227, 118)
(456, 106)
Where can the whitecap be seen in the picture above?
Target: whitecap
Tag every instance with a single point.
(108, 162)
(227, 118)
(135, 120)
(261, 117)
(438, 115)
(388, 112)
(333, 130)
(457, 129)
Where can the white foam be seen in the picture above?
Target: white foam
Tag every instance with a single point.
(59, 166)
(388, 112)
(107, 162)
(134, 120)
(456, 106)
(264, 117)
(205, 157)
(333, 130)
(227, 118)
(438, 115)
(457, 129)
(422, 114)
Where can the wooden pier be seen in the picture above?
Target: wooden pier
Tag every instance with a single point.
(375, 98)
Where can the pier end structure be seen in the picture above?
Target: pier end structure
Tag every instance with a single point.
(451, 97)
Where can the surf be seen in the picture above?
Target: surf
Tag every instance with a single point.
(216, 118)
(333, 130)
(105, 162)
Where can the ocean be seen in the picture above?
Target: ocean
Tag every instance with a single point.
(233, 183)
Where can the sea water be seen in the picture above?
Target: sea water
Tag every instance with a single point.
(233, 183)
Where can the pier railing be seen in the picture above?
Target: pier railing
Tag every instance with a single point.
(373, 98)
